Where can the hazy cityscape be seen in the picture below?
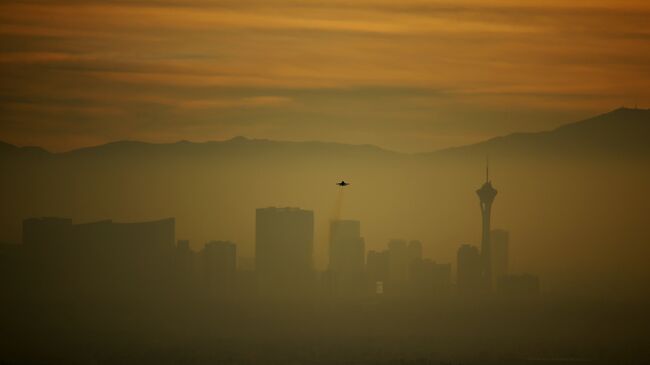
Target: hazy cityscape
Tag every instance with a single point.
(307, 182)
(282, 266)
(138, 267)
(135, 291)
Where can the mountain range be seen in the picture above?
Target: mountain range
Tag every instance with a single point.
(622, 131)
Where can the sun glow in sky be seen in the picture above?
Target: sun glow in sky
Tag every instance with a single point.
(407, 75)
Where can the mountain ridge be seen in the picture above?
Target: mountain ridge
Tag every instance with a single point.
(622, 130)
(606, 130)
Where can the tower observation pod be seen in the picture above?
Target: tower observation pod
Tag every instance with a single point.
(486, 195)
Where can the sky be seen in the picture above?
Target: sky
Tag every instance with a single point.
(404, 75)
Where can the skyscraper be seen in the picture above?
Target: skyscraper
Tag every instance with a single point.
(398, 265)
(429, 278)
(377, 270)
(486, 196)
(219, 263)
(499, 242)
(284, 239)
(108, 258)
(185, 265)
(347, 256)
(402, 257)
(468, 274)
(415, 251)
(346, 246)
(518, 285)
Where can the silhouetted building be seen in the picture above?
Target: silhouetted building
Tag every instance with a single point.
(429, 278)
(246, 263)
(346, 257)
(415, 251)
(284, 239)
(486, 196)
(468, 270)
(101, 260)
(13, 267)
(377, 270)
(133, 238)
(153, 235)
(499, 242)
(246, 280)
(185, 263)
(518, 285)
(401, 257)
(219, 266)
(141, 253)
(347, 247)
(441, 278)
(399, 262)
(9, 253)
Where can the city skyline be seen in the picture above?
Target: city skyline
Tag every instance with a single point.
(310, 186)
(421, 295)
(284, 253)
(321, 182)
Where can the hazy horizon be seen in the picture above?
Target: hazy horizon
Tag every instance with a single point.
(261, 182)
(214, 189)
(235, 137)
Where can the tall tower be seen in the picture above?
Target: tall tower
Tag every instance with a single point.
(347, 248)
(347, 257)
(486, 196)
(284, 240)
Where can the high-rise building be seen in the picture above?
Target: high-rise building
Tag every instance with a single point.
(108, 257)
(441, 278)
(284, 240)
(347, 247)
(246, 281)
(518, 285)
(486, 195)
(183, 245)
(377, 270)
(146, 236)
(347, 256)
(185, 263)
(219, 266)
(140, 251)
(429, 278)
(415, 251)
(468, 270)
(499, 242)
(398, 265)
(246, 263)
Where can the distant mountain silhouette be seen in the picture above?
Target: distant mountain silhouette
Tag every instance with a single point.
(238, 148)
(7, 150)
(622, 132)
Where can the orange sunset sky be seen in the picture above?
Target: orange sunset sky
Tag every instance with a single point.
(406, 75)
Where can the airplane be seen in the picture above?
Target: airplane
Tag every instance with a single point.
(342, 183)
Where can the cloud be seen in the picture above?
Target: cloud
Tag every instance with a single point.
(250, 102)
(289, 67)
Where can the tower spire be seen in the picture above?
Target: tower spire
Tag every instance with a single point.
(486, 195)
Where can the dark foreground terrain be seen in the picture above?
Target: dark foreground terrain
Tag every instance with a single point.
(190, 330)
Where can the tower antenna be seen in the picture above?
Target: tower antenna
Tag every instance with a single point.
(487, 168)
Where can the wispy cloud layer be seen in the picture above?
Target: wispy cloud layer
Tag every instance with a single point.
(371, 71)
